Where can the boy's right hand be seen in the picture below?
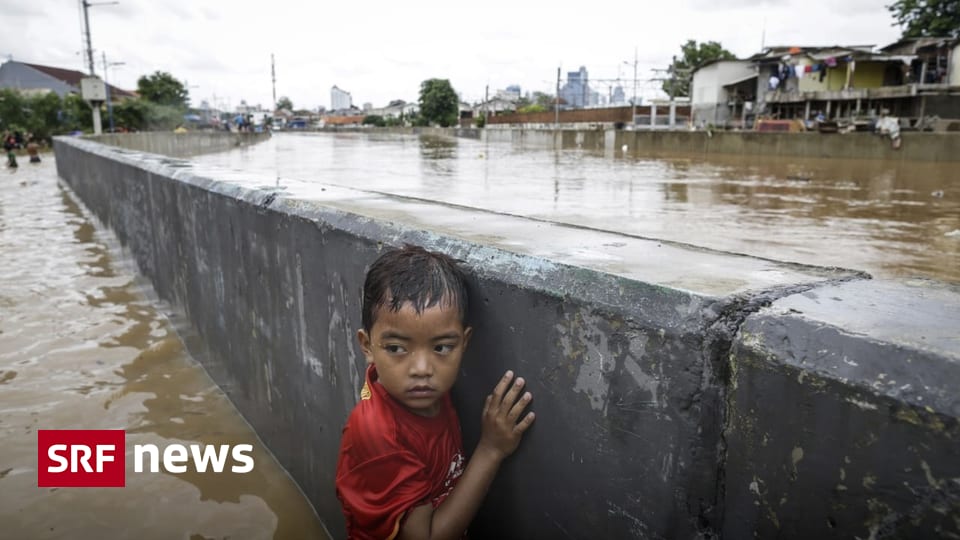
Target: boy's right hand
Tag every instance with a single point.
(500, 430)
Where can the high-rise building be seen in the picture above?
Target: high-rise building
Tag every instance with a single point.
(576, 91)
(618, 97)
(340, 99)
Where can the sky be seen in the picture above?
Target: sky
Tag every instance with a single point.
(380, 51)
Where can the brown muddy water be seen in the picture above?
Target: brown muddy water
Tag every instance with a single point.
(82, 347)
(889, 219)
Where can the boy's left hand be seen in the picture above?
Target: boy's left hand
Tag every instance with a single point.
(500, 430)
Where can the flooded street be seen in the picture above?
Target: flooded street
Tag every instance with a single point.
(889, 219)
(81, 347)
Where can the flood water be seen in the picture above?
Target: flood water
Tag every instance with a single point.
(889, 219)
(81, 347)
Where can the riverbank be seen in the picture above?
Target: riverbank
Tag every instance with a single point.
(919, 147)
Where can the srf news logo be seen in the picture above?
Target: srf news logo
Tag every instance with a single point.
(97, 458)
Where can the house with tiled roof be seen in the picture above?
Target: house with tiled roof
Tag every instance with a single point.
(34, 78)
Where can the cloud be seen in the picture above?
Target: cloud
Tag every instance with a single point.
(384, 51)
(719, 5)
(21, 10)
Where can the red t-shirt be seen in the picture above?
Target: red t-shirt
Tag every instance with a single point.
(392, 460)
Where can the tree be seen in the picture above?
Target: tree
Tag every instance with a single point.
(439, 103)
(927, 18)
(534, 108)
(285, 103)
(543, 99)
(43, 115)
(374, 120)
(677, 83)
(163, 89)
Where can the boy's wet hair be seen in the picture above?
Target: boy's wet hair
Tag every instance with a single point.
(413, 274)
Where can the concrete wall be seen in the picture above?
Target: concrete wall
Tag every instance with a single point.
(582, 116)
(843, 412)
(915, 147)
(179, 144)
(630, 374)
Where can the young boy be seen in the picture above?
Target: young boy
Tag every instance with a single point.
(33, 149)
(400, 473)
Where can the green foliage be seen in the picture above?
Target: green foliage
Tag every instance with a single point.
(693, 56)
(44, 115)
(374, 120)
(544, 100)
(143, 115)
(533, 108)
(480, 121)
(927, 18)
(163, 89)
(393, 121)
(439, 103)
(284, 103)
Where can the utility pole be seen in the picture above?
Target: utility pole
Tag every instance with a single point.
(106, 84)
(633, 110)
(633, 102)
(92, 89)
(486, 105)
(86, 25)
(87, 33)
(273, 75)
(556, 104)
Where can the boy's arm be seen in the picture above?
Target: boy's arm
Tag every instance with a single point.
(500, 436)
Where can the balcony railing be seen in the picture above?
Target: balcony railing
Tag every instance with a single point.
(883, 92)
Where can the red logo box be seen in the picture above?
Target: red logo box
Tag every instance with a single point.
(81, 458)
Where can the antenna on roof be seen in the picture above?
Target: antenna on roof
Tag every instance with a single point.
(763, 35)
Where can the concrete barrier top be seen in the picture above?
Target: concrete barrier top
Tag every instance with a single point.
(912, 327)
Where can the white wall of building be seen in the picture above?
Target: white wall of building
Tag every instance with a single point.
(955, 65)
(708, 99)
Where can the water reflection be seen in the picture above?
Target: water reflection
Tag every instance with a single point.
(892, 219)
(81, 348)
(438, 156)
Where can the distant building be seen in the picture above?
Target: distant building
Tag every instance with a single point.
(494, 106)
(510, 93)
(617, 97)
(34, 78)
(340, 99)
(576, 91)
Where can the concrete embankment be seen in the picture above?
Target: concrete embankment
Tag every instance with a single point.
(620, 143)
(915, 147)
(179, 144)
(679, 391)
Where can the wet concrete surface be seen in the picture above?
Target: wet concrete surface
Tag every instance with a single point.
(889, 219)
(82, 347)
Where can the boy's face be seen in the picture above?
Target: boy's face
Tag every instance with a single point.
(417, 356)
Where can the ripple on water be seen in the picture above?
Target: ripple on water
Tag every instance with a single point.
(81, 348)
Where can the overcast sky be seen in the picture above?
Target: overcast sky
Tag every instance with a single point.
(380, 51)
